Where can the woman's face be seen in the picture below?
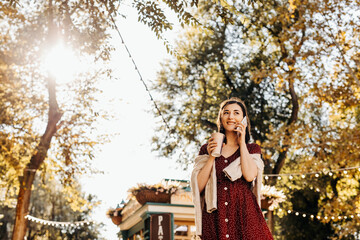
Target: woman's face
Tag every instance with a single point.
(231, 115)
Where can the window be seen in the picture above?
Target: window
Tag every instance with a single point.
(184, 231)
(181, 230)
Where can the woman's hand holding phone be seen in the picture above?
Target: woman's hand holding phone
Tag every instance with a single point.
(241, 128)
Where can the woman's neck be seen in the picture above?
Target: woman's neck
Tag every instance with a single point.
(231, 138)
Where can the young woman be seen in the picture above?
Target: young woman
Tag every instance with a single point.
(226, 189)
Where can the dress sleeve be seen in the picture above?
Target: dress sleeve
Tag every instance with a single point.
(253, 148)
(203, 150)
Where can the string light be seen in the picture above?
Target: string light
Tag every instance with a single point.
(316, 174)
(30, 169)
(55, 223)
(312, 216)
(141, 78)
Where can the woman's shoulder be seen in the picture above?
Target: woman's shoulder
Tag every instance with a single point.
(203, 149)
(253, 148)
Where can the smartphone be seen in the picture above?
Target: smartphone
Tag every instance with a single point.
(243, 122)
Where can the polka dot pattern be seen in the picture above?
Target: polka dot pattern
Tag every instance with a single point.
(238, 216)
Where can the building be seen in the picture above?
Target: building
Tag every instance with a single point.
(172, 220)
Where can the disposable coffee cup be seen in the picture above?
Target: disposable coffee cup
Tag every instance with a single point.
(219, 139)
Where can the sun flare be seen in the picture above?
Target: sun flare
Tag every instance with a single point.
(62, 63)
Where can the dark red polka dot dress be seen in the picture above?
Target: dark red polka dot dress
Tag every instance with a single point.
(238, 216)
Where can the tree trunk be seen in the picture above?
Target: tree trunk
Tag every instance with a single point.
(270, 220)
(22, 206)
(54, 116)
(26, 181)
(282, 155)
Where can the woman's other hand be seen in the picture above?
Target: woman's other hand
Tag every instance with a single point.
(211, 145)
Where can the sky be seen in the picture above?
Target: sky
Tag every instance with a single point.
(128, 158)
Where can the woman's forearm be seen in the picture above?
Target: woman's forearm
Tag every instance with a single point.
(204, 174)
(248, 166)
